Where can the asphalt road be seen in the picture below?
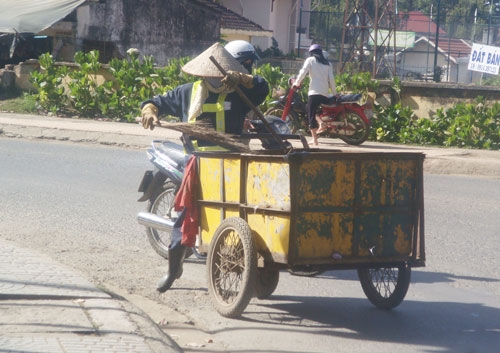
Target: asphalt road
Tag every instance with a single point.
(77, 203)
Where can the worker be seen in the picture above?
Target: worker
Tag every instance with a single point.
(212, 99)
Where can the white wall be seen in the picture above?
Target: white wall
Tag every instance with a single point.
(259, 11)
(283, 22)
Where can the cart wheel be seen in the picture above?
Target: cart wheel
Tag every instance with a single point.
(385, 287)
(267, 281)
(232, 267)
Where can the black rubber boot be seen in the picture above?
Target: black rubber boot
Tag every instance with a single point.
(175, 260)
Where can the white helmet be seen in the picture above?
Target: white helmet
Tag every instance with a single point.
(242, 50)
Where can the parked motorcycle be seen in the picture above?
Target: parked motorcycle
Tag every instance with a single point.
(345, 116)
(160, 185)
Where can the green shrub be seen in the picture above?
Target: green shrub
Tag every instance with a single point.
(87, 97)
(391, 123)
(472, 125)
(467, 125)
(48, 83)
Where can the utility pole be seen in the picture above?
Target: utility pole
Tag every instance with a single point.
(489, 23)
(437, 40)
(368, 36)
(300, 27)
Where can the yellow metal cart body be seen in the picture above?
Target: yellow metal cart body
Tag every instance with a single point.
(322, 210)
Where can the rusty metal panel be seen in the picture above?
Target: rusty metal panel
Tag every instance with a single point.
(320, 208)
(219, 183)
(324, 183)
(232, 179)
(210, 218)
(271, 234)
(355, 207)
(219, 179)
(210, 173)
(268, 184)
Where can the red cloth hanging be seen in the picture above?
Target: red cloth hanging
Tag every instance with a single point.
(186, 198)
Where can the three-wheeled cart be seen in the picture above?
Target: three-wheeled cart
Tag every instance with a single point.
(317, 209)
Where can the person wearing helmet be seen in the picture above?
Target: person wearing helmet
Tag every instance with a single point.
(212, 99)
(244, 52)
(197, 100)
(321, 85)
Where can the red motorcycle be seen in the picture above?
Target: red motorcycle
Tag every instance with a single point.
(343, 117)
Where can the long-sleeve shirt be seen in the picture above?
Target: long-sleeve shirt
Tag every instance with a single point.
(177, 101)
(321, 77)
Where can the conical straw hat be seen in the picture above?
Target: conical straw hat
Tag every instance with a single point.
(202, 66)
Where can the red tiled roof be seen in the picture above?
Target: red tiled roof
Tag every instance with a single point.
(416, 21)
(457, 48)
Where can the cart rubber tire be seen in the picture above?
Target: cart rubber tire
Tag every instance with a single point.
(304, 271)
(267, 281)
(232, 267)
(162, 204)
(385, 287)
(362, 129)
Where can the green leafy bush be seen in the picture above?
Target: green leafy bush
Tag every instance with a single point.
(88, 97)
(131, 81)
(467, 125)
(48, 83)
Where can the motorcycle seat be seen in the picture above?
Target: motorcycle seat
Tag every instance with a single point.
(342, 98)
(173, 151)
(353, 97)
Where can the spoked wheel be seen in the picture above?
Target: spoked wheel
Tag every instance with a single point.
(232, 267)
(291, 119)
(267, 281)
(385, 287)
(355, 130)
(162, 204)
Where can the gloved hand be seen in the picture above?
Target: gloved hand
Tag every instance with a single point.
(235, 78)
(149, 114)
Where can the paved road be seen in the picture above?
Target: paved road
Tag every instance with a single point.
(65, 313)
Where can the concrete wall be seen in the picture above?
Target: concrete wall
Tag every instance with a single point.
(426, 98)
(162, 28)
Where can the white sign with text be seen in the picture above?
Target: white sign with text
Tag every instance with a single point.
(485, 58)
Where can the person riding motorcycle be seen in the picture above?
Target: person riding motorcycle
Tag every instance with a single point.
(322, 83)
(213, 99)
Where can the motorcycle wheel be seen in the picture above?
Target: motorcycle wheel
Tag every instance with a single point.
(292, 119)
(162, 204)
(352, 121)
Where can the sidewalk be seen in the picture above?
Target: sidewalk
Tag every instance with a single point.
(438, 160)
(46, 307)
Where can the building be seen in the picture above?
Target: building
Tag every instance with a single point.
(162, 28)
